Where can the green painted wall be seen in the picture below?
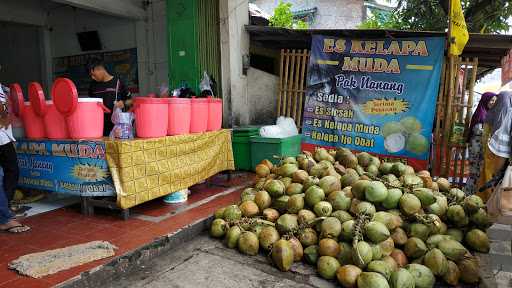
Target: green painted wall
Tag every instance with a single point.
(194, 42)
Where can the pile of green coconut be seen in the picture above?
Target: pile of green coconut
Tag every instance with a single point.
(359, 221)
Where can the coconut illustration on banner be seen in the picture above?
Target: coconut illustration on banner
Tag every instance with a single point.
(405, 134)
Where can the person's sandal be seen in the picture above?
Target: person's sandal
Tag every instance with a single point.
(13, 229)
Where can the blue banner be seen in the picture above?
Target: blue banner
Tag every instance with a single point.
(65, 166)
(377, 95)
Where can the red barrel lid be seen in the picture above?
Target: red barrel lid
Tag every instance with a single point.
(150, 100)
(65, 96)
(36, 98)
(16, 98)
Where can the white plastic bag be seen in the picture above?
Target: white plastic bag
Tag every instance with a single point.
(287, 126)
(499, 205)
(123, 128)
(272, 131)
(205, 85)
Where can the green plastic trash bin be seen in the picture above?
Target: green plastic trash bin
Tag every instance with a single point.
(242, 146)
(266, 148)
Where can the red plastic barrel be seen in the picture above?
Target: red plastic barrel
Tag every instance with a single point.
(199, 115)
(151, 117)
(214, 114)
(179, 116)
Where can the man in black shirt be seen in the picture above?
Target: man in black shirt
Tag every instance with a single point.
(108, 87)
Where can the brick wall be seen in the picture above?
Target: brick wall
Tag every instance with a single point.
(331, 14)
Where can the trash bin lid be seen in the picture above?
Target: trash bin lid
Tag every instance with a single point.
(16, 98)
(36, 98)
(65, 96)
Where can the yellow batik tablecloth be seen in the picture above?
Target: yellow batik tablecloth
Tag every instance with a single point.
(145, 169)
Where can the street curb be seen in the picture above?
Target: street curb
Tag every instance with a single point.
(131, 261)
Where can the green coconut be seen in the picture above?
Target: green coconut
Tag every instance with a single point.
(321, 154)
(218, 228)
(434, 240)
(452, 274)
(232, 213)
(399, 257)
(392, 180)
(391, 221)
(480, 218)
(362, 254)
(363, 159)
(267, 237)
(473, 203)
(347, 275)
(444, 184)
(310, 181)
(417, 144)
(249, 209)
(289, 160)
(359, 187)
(372, 280)
(391, 262)
(219, 213)
(305, 216)
(329, 184)
(385, 168)
(298, 250)
(411, 125)
(419, 230)
(232, 236)
(425, 195)
(478, 240)
(287, 170)
(287, 181)
(372, 170)
(392, 127)
(376, 252)
(248, 194)
(330, 228)
(295, 203)
(409, 204)
(380, 267)
(327, 267)
(282, 255)
(328, 247)
(387, 246)
(367, 208)
(345, 254)
(401, 278)
(300, 176)
(452, 249)
(275, 188)
(456, 215)
(439, 207)
(376, 192)
(270, 214)
(311, 254)
(423, 277)
(262, 199)
(281, 203)
(469, 270)
(398, 169)
(392, 199)
(308, 237)
(412, 181)
(323, 209)
(399, 236)
(348, 179)
(347, 230)
(415, 248)
(376, 232)
(455, 234)
(287, 223)
(314, 195)
(339, 200)
(347, 159)
(457, 194)
(248, 243)
(294, 189)
(436, 262)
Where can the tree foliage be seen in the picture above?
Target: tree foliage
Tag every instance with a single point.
(283, 17)
(482, 16)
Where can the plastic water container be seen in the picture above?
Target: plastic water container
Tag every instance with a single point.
(55, 123)
(34, 125)
(199, 115)
(214, 114)
(177, 197)
(151, 117)
(179, 116)
(86, 122)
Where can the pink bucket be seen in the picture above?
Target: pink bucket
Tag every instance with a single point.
(55, 123)
(34, 126)
(179, 116)
(151, 117)
(214, 114)
(86, 122)
(199, 115)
